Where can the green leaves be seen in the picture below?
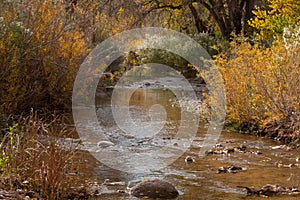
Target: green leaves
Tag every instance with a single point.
(271, 22)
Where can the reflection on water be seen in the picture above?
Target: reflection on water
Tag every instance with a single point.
(197, 180)
(146, 129)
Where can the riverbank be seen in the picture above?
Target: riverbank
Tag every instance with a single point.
(47, 147)
(81, 177)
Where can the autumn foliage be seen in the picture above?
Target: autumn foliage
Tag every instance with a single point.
(271, 21)
(40, 51)
(43, 43)
(262, 84)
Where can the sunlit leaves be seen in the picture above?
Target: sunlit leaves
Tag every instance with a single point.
(41, 50)
(271, 22)
(261, 84)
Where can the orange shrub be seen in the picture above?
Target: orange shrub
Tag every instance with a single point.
(40, 52)
(262, 85)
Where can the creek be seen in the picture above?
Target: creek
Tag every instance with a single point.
(274, 164)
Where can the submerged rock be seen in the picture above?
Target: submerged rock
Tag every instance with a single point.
(220, 149)
(104, 144)
(155, 189)
(286, 165)
(241, 149)
(213, 152)
(230, 169)
(189, 159)
(228, 151)
(278, 147)
(270, 190)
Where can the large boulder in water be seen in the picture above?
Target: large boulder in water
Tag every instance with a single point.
(155, 189)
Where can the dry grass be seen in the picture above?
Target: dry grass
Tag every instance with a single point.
(32, 152)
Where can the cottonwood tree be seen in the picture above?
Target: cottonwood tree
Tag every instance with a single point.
(230, 15)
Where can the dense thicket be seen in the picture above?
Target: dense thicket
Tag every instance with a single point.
(43, 43)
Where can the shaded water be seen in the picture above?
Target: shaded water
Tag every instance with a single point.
(197, 180)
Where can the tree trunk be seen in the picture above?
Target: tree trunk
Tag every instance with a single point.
(198, 22)
(235, 9)
(230, 15)
(214, 8)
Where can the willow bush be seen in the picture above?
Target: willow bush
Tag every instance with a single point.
(40, 51)
(262, 80)
(262, 86)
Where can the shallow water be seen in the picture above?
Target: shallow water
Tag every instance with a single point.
(197, 180)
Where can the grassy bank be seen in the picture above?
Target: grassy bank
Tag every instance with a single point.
(35, 163)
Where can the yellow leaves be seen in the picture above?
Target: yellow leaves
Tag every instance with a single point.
(61, 40)
(45, 67)
(121, 10)
(272, 22)
(260, 83)
(173, 2)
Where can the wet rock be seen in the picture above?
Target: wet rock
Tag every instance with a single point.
(218, 145)
(230, 169)
(256, 152)
(229, 141)
(189, 159)
(241, 149)
(278, 147)
(220, 149)
(147, 84)
(271, 190)
(286, 165)
(228, 151)
(213, 152)
(155, 189)
(251, 191)
(116, 183)
(105, 144)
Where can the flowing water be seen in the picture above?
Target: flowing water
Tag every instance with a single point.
(197, 180)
